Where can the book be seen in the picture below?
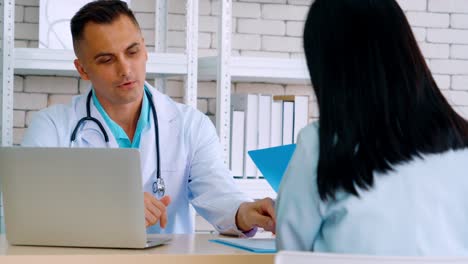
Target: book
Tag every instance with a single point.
(288, 122)
(249, 104)
(264, 122)
(237, 144)
(276, 123)
(301, 113)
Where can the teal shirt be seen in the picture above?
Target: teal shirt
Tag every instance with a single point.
(118, 132)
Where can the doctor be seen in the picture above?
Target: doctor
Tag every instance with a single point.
(124, 110)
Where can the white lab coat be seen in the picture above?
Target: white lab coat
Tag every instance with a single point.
(191, 158)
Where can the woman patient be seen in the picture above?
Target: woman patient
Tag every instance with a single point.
(385, 170)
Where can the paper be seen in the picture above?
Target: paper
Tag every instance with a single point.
(257, 245)
(54, 22)
(272, 162)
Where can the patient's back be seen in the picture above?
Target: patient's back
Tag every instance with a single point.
(420, 208)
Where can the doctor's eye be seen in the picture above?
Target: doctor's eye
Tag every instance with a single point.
(133, 50)
(104, 60)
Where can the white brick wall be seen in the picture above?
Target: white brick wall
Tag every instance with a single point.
(424, 19)
(435, 51)
(19, 13)
(27, 2)
(460, 82)
(413, 5)
(459, 21)
(284, 12)
(246, 10)
(31, 14)
(446, 35)
(456, 67)
(448, 6)
(263, 28)
(29, 101)
(459, 52)
(443, 81)
(19, 118)
(51, 85)
(26, 31)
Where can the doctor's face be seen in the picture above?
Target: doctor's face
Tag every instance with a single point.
(113, 57)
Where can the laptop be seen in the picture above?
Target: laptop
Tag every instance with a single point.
(74, 197)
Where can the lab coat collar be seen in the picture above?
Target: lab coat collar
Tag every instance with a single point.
(165, 107)
(166, 110)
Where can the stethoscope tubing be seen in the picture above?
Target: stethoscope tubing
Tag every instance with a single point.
(158, 186)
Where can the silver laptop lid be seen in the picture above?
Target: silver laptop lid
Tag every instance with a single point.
(73, 197)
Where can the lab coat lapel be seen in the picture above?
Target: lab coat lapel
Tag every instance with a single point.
(166, 111)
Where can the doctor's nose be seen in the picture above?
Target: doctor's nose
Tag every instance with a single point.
(124, 68)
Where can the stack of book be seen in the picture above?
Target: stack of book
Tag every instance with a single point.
(261, 121)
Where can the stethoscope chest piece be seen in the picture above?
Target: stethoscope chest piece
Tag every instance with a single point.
(159, 187)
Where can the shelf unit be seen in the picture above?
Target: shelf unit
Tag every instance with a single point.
(224, 69)
(7, 13)
(255, 69)
(36, 61)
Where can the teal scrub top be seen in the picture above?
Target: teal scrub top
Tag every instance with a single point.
(118, 132)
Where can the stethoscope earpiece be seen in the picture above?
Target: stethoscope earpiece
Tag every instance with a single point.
(159, 187)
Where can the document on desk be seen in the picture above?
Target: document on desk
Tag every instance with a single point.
(273, 162)
(257, 245)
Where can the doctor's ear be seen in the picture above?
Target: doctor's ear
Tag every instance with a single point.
(81, 70)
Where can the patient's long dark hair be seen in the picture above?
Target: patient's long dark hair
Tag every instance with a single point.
(379, 104)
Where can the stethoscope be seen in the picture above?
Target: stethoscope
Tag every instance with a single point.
(159, 187)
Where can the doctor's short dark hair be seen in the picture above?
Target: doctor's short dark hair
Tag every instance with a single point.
(99, 12)
(379, 104)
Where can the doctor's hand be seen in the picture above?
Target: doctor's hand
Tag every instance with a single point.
(155, 210)
(256, 214)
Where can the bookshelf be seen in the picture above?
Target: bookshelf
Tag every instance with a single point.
(7, 12)
(255, 69)
(36, 61)
(225, 69)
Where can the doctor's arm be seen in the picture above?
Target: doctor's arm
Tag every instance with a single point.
(42, 131)
(213, 192)
(256, 214)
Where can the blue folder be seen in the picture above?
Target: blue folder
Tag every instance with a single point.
(273, 162)
(257, 245)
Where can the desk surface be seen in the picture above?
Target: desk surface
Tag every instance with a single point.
(182, 249)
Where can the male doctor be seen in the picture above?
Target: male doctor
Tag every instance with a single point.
(111, 53)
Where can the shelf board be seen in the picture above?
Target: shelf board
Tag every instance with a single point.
(255, 188)
(257, 69)
(35, 61)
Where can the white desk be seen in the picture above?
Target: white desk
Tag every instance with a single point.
(182, 249)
